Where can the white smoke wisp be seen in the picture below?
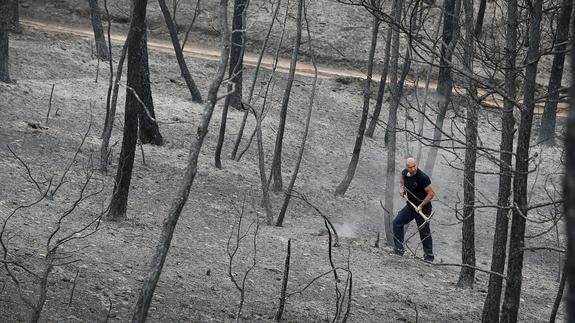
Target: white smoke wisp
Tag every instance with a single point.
(346, 229)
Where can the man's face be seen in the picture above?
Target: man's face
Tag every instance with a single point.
(411, 167)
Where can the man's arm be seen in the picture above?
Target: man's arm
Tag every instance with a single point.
(401, 185)
(427, 199)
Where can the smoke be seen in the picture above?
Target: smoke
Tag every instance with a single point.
(346, 229)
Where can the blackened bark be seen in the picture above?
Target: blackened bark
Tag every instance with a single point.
(291, 184)
(381, 90)
(344, 185)
(569, 191)
(101, 46)
(4, 60)
(194, 92)
(252, 87)
(467, 273)
(148, 287)
(444, 81)
(493, 299)
(480, 16)
(517, 239)
(136, 82)
(235, 70)
(148, 129)
(111, 111)
(396, 91)
(237, 51)
(548, 119)
(277, 159)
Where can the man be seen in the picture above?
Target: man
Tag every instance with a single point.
(414, 185)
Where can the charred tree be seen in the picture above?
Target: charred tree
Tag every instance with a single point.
(467, 273)
(480, 17)
(517, 238)
(381, 90)
(569, 191)
(101, 46)
(234, 97)
(396, 87)
(344, 185)
(148, 129)
(9, 22)
(111, 111)
(450, 35)
(192, 87)
(237, 51)
(136, 86)
(148, 287)
(277, 159)
(493, 300)
(549, 117)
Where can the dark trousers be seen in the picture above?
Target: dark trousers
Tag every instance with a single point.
(406, 215)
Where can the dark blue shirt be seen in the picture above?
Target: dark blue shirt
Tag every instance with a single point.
(415, 185)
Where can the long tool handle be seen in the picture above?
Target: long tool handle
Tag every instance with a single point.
(425, 217)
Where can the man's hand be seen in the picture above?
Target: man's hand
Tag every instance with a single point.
(418, 209)
(401, 191)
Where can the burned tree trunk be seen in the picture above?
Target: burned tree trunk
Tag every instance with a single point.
(480, 16)
(467, 273)
(136, 86)
(148, 129)
(194, 92)
(444, 80)
(237, 51)
(277, 159)
(569, 191)
(4, 58)
(234, 97)
(148, 287)
(517, 238)
(101, 46)
(493, 299)
(396, 87)
(344, 185)
(548, 119)
(381, 90)
(9, 22)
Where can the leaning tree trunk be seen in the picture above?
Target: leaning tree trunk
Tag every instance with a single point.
(493, 299)
(344, 185)
(517, 239)
(136, 85)
(4, 61)
(148, 287)
(444, 80)
(548, 119)
(381, 90)
(277, 159)
(467, 273)
(234, 97)
(569, 191)
(101, 46)
(192, 87)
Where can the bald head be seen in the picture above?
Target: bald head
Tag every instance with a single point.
(411, 166)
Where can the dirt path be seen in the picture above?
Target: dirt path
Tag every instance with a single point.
(250, 59)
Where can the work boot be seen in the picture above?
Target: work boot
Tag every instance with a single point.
(398, 252)
(428, 258)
